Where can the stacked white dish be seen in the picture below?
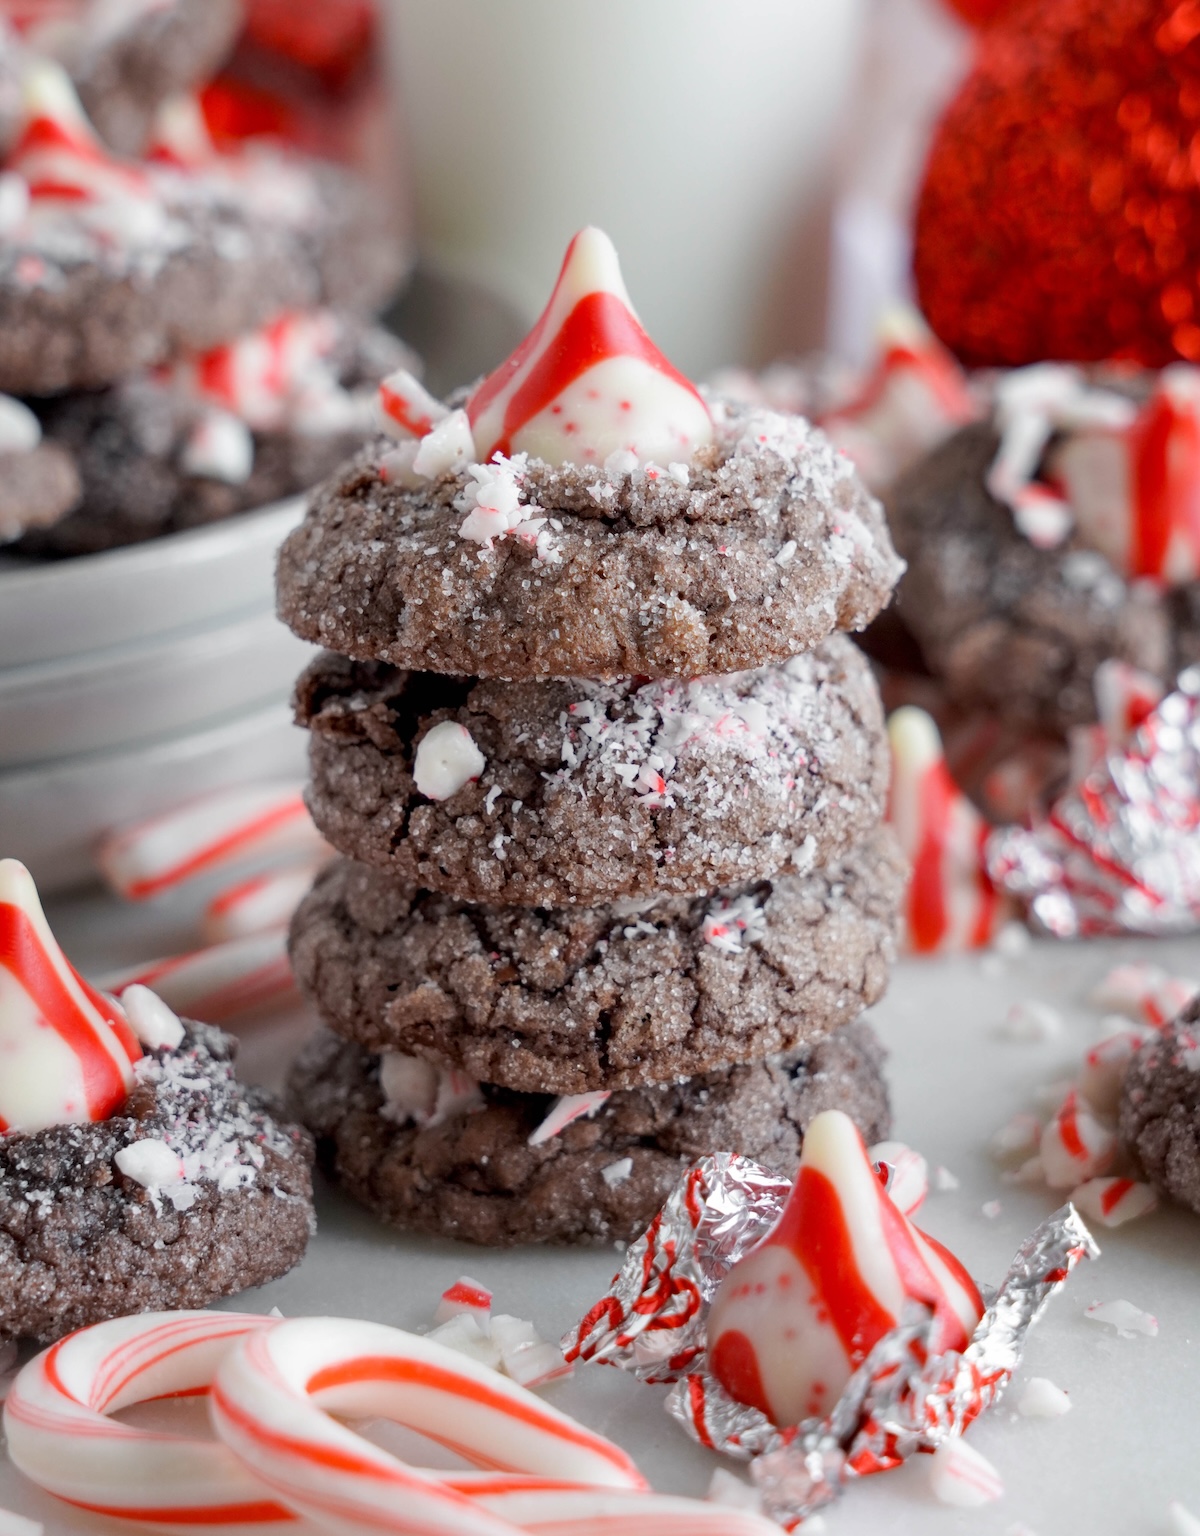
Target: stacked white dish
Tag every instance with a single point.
(133, 680)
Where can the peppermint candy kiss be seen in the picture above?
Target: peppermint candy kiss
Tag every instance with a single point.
(63, 161)
(66, 1052)
(1135, 491)
(951, 903)
(795, 1318)
(587, 381)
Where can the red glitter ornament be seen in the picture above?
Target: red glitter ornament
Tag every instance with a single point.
(1060, 213)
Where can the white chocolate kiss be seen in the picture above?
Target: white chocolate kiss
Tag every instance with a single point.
(446, 759)
(772, 1297)
(42, 1078)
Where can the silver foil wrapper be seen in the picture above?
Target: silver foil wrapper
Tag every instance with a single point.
(1120, 851)
(901, 1399)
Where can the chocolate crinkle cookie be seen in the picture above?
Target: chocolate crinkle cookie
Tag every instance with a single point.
(1007, 626)
(131, 444)
(569, 999)
(82, 1240)
(1160, 1109)
(759, 550)
(476, 1177)
(585, 792)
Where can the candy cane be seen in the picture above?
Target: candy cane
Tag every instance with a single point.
(58, 152)
(67, 1052)
(61, 1436)
(219, 829)
(258, 904)
(273, 1394)
(221, 982)
(951, 903)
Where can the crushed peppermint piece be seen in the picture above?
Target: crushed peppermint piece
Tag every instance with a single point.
(219, 447)
(616, 1173)
(1017, 1139)
(524, 1355)
(465, 1296)
(959, 1475)
(154, 1024)
(445, 448)
(571, 1106)
(944, 1180)
(446, 760)
(1127, 1319)
(991, 1209)
(463, 1334)
(1041, 1399)
(406, 407)
(150, 1163)
(730, 926)
(907, 1180)
(427, 1095)
(1075, 1145)
(1113, 1202)
(1031, 1020)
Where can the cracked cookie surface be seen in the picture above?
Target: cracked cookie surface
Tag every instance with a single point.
(80, 1241)
(763, 547)
(475, 1177)
(565, 1000)
(1003, 624)
(590, 791)
(1160, 1108)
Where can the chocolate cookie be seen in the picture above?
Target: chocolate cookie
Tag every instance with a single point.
(125, 64)
(81, 1241)
(476, 1177)
(131, 446)
(569, 999)
(1007, 626)
(588, 792)
(767, 545)
(1160, 1109)
(37, 488)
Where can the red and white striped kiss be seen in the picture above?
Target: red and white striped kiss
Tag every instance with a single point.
(587, 381)
(795, 1318)
(951, 903)
(1136, 492)
(66, 1052)
(915, 396)
(258, 376)
(58, 152)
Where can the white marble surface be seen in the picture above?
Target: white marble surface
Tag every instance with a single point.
(1110, 1467)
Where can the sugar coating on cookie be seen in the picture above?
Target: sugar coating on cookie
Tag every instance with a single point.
(570, 999)
(1003, 624)
(760, 548)
(593, 791)
(1160, 1108)
(94, 1225)
(476, 1177)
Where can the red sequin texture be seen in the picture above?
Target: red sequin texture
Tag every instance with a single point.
(1060, 214)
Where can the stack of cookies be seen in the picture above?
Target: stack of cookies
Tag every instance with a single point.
(185, 333)
(608, 781)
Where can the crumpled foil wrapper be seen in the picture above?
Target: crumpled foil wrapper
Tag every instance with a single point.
(1119, 852)
(901, 1399)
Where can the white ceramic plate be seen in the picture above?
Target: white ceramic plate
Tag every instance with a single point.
(147, 689)
(52, 815)
(64, 607)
